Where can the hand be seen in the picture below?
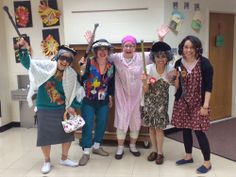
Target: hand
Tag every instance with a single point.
(162, 32)
(82, 66)
(88, 36)
(204, 111)
(71, 111)
(22, 44)
(110, 104)
(144, 77)
(172, 75)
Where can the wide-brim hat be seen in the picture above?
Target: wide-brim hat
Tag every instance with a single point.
(101, 43)
(160, 47)
(67, 48)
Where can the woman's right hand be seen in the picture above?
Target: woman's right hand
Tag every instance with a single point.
(22, 44)
(82, 66)
(88, 36)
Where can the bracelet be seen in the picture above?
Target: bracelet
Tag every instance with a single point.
(205, 107)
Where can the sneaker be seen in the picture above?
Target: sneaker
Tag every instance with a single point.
(69, 163)
(84, 159)
(100, 151)
(46, 168)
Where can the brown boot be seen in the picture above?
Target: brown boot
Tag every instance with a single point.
(159, 159)
(152, 156)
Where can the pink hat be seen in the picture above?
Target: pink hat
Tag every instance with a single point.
(129, 38)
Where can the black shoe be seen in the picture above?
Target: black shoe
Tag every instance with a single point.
(136, 153)
(119, 156)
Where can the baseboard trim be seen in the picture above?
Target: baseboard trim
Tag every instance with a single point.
(8, 126)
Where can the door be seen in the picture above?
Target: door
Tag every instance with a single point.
(222, 61)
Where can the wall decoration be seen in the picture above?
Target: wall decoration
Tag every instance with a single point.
(23, 14)
(186, 5)
(197, 21)
(196, 7)
(176, 21)
(15, 40)
(220, 39)
(49, 13)
(51, 42)
(175, 5)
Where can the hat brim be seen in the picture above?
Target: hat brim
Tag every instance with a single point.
(65, 47)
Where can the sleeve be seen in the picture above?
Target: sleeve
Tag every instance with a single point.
(75, 104)
(81, 79)
(111, 85)
(24, 58)
(207, 75)
(112, 57)
(147, 58)
(148, 67)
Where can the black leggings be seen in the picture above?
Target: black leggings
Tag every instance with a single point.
(202, 141)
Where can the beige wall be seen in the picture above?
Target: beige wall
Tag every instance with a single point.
(4, 77)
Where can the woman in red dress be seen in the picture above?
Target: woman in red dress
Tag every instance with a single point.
(191, 106)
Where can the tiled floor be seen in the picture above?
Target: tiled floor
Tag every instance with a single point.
(19, 157)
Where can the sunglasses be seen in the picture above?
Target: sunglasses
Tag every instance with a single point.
(65, 58)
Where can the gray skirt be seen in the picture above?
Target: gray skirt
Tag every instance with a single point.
(50, 130)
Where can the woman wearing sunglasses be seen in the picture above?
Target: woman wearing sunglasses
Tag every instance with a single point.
(57, 86)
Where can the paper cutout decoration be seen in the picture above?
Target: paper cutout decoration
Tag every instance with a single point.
(15, 40)
(176, 22)
(50, 42)
(186, 5)
(23, 14)
(175, 5)
(49, 13)
(196, 7)
(197, 21)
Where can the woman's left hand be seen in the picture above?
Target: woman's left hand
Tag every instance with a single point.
(204, 111)
(71, 111)
(110, 104)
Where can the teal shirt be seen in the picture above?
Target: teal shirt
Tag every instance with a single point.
(50, 95)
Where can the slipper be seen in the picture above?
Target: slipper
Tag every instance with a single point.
(203, 169)
(183, 161)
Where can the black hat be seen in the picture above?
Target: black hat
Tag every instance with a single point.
(66, 47)
(160, 47)
(101, 43)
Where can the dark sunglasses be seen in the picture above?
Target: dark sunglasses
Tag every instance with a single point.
(65, 58)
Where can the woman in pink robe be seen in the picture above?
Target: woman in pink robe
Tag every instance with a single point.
(128, 92)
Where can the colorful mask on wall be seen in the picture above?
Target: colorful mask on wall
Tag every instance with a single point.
(50, 16)
(23, 14)
(49, 46)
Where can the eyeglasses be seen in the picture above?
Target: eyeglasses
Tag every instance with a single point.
(129, 46)
(65, 58)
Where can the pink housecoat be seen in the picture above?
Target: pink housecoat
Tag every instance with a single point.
(128, 91)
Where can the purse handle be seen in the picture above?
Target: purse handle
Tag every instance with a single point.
(65, 115)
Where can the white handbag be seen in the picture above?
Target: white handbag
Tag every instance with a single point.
(72, 123)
